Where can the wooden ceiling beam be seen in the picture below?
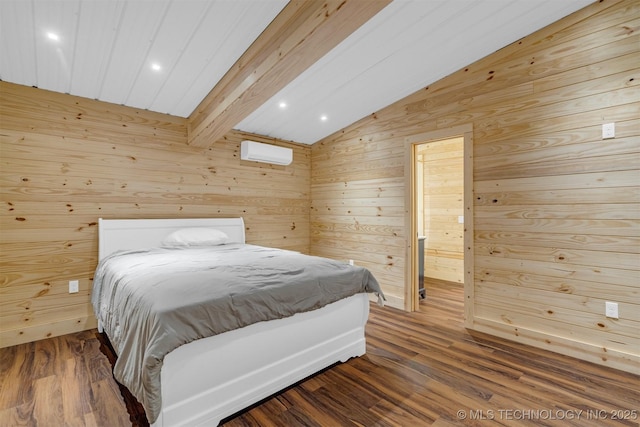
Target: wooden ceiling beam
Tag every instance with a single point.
(303, 32)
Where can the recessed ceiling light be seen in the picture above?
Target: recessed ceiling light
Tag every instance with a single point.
(53, 36)
(324, 118)
(282, 105)
(156, 67)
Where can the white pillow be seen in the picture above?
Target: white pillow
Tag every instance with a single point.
(196, 237)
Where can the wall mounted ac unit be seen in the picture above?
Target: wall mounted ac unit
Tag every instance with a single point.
(266, 153)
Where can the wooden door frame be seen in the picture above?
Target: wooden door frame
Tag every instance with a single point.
(411, 299)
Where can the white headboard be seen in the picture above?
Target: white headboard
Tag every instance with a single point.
(118, 234)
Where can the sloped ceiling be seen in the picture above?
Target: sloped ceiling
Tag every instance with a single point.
(108, 49)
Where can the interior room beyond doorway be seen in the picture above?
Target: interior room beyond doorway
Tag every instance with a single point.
(440, 210)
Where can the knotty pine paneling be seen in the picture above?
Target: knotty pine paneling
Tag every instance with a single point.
(556, 226)
(66, 161)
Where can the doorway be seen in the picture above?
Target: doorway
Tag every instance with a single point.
(440, 212)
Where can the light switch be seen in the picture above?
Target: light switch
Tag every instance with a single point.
(608, 130)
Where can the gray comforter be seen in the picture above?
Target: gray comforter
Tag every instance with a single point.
(150, 302)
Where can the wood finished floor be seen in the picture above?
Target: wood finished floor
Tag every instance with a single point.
(421, 369)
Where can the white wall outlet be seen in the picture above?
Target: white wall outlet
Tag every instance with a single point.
(460, 219)
(350, 262)
(608, 130)
(611, 309)
(73, 286)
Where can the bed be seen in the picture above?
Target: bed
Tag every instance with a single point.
(212, 377)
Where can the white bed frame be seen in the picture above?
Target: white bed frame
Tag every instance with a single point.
(210, 379)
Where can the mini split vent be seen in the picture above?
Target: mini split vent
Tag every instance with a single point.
(266, 153)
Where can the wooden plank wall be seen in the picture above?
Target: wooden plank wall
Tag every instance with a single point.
(557, 229)
(442, 188)
(67, 161)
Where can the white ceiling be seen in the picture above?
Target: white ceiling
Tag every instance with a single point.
(106, 49)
